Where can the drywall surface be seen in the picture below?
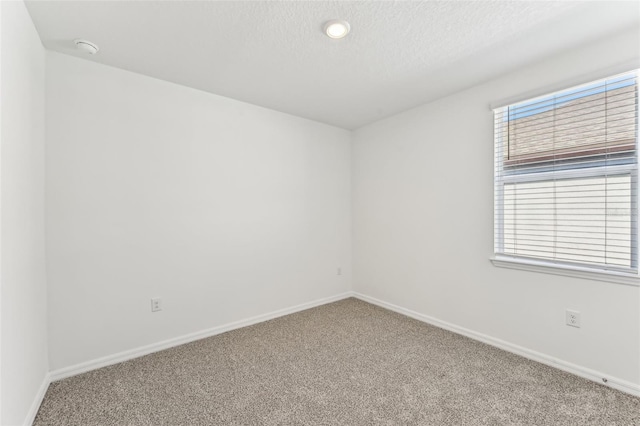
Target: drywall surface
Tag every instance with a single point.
(423, 226)
(24, 302)
(223, 209)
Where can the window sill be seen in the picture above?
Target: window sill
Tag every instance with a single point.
(532, 266)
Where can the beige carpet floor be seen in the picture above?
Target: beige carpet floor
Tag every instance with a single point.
(345, 363)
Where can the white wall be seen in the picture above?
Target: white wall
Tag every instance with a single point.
(224, 209)
(24, 334)
(423, 226)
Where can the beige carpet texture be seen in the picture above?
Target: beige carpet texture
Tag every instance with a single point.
(345, 363)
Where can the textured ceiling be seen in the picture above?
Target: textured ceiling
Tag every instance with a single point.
(399, 54)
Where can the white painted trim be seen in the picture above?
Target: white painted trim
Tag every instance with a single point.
(37, 401)
(613, 382)
(74, 370)
(567, 271)
(596, 376)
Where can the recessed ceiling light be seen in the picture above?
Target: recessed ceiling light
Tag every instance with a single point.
(336, 28)
(86, 46)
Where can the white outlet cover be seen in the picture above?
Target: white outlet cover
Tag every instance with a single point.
(573, 318)
(156, 304)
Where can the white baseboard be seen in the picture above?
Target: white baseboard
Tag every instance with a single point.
(74, 370)
(596, 376)
(37, 401)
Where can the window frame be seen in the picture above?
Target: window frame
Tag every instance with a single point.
(565, 268)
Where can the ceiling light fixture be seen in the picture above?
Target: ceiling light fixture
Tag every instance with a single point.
(336, 28)
(86, 46)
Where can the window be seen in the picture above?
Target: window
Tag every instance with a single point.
(566, 179)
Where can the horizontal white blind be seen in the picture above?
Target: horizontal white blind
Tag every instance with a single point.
(566, 176)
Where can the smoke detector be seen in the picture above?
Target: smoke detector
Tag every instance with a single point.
(86, 46)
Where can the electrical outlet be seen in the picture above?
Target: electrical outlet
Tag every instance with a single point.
(156, 304)
(339, 271)
(573, 318)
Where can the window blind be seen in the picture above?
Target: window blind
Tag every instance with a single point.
(566, 177)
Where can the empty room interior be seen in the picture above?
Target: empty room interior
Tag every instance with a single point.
(319, 213)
